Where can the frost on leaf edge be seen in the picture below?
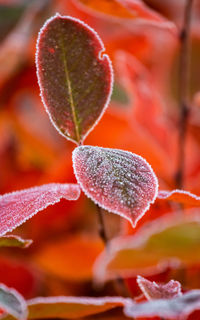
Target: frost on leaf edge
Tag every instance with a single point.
(133, 224)
(43, 207)
(101, 57)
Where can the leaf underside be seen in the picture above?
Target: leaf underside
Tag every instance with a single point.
(12, 303)
(17, 207)
(75, 80)
(177, 308)
(152, 290)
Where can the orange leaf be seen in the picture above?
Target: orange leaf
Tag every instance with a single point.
(71, 258)
(180, 196)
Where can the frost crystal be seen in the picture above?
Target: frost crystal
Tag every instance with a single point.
(119, 181)
(17, 207)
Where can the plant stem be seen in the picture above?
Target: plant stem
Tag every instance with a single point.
(119, 284)
(184, 76)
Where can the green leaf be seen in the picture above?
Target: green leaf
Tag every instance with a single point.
(75, 78)
(169, 241)
(14, 241)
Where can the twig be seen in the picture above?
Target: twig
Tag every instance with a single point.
(184, 76)
(119, 284)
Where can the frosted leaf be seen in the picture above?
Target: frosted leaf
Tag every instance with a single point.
(152, 290)
(75, 76)
(12, 303)
(176, 308)
(71, 307)
(169, 241)
(17, 207)
(180, 196)
(118, 181)
(14, 241)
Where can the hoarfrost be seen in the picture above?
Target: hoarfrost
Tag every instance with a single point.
(17, 207)
(119, 181)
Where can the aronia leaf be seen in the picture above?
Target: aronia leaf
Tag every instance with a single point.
(14, 241)
(176, 308)
(17, 207)
(152, 290)
(12, 303)
(75, 78)
(180, 196)
(171, 240)
(118, 181)
(71, 307)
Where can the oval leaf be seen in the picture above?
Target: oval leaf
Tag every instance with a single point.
(177, 308)
(118, 181)
(180, 196)
(12, 303)
(17, 207)
(170, 241)
(14, 241)
(75, 78)
(152, 290)
(71, 307)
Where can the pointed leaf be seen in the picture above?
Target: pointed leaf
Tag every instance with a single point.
(14, 241)
(170, 241)
(17, 207)
(177, 308)
(75, 78)
(152, 290)
(119, 181)
(71, 307)
(180, 196)
(12, 303)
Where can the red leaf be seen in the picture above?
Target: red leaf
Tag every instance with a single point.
(127, 10)
(119, 181)
(152, 290)
(180, 196)
(17, 207)
(75, 78)
(176, 308)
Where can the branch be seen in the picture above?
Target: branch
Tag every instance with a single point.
(184, 76)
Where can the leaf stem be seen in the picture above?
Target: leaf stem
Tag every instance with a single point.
(119, 284)
(184, 76)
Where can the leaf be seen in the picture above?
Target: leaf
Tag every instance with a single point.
(75, 78)
(70, 259)
(168, 241)
(71, 307)
(118, 181)
(180, 196)
(17, 207)
(152, 290)
(176, 308)
(14, 241)
(12, 303)
(127, 10)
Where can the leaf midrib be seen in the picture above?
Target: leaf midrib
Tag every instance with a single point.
(69, 87)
